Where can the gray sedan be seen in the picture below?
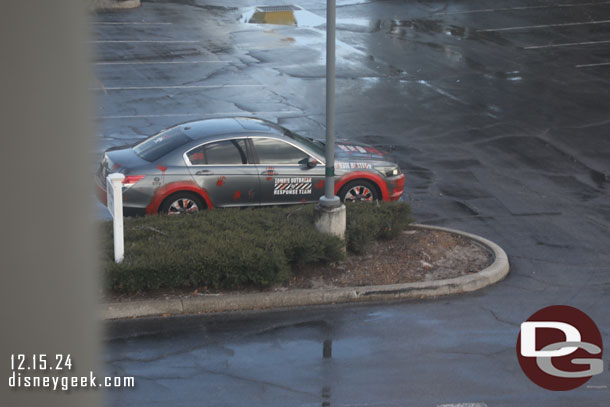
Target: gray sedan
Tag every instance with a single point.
(241, 162)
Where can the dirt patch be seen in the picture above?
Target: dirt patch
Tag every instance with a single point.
(417, 255)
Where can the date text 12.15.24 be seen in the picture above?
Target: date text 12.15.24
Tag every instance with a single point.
(41, 361)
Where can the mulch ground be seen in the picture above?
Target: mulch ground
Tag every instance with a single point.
(417, 255)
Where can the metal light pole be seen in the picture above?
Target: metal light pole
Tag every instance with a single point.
(330, 213)
(329, 189)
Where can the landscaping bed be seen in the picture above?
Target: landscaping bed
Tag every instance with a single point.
(415, 255)
(228, 249)
(277, 249)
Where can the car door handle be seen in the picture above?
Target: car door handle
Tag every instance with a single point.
(268, 172)
(204, 172)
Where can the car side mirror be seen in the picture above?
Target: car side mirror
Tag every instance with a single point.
(310, 162)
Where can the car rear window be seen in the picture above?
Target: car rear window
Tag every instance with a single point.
(227, 152)
(157, 146)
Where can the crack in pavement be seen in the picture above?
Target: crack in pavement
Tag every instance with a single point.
(258, 382)
(484, 354)
(497, 318)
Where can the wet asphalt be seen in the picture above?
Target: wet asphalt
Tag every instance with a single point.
(499, 114)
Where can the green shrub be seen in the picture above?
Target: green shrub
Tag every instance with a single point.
(369, 222)
(233, 248)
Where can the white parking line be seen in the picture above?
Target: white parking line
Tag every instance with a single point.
(149, 116)
(463, 405)
(567, 44)
(128, 23)
(103, 88)
(527, 27)
(440, 91)
(158, 62)
(141, 41)
(492, 10)
(590, 65)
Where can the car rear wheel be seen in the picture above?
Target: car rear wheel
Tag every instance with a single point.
(181, 203)
(358, 190)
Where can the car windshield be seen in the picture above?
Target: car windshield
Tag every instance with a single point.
(311, 144)
(157, 146)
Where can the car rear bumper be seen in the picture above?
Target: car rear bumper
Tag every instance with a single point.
(100, 192)
(102, 196)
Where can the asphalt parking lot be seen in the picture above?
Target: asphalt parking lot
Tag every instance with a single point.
(498, 114)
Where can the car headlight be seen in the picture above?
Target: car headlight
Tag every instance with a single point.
(389, 171)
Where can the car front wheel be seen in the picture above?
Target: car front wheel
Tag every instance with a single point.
(359, 190)
(181, 203)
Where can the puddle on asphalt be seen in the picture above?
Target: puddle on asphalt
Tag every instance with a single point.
(294, 15)
(282, 15)
(297, 16)
(403, 28)
(414, 30)
(599, 178)
(513, 76)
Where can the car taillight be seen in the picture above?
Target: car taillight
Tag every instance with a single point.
(131, 180)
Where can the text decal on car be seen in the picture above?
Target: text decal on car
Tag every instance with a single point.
(292, 186)
(352, 165)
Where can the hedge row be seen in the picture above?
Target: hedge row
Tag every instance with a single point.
(233, 248)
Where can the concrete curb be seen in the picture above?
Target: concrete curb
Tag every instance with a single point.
(294, 298)
(103, 5)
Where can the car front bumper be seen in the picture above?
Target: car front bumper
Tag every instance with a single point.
(396, 187)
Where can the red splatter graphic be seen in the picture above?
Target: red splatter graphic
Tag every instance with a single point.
(198, 158)
(221, 181)
(303, 200)
(251, 194)
(115, 166)
(270, 172)
(373, 150)
(161, 168)
(319, 184)
(237, 195)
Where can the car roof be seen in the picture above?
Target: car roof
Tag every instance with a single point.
(209, 128)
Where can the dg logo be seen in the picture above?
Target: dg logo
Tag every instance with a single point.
(560, 348)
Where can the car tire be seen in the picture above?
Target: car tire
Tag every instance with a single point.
(182, 203)
(358, 190)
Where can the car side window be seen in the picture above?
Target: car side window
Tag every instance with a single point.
(227, 152)
(196, 156)
(272, 151)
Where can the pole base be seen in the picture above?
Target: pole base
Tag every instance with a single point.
(333, 202)
(330, 219)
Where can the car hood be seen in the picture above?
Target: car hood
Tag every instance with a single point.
(346, 150)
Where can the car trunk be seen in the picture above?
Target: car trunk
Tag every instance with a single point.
(118, 159)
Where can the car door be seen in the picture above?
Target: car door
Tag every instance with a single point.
(222, 168)
(285, 176)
